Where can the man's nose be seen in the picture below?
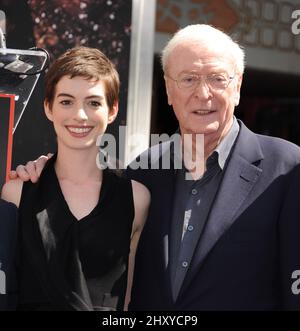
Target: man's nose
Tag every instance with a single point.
(202, 89)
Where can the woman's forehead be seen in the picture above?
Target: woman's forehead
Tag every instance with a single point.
(80, 85)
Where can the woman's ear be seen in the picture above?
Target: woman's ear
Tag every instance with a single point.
(48, 111)
(113, 112)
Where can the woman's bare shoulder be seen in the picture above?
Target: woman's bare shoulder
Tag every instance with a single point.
(11, 191)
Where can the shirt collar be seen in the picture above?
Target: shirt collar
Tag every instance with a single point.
(221, 151)
(224, 148)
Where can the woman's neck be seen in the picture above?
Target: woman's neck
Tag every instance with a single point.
(78, 166)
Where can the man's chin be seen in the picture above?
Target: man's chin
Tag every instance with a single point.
(206, 129)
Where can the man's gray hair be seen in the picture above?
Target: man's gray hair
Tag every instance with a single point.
(206, 35)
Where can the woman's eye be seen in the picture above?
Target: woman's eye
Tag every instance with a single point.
(95, 103)
(65, 102)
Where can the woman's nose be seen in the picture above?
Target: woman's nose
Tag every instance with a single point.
(81, 114)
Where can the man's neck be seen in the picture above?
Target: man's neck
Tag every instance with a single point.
(198, 147)
(212, 141)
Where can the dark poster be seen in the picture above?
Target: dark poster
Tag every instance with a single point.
(6, 127)
(56, 26)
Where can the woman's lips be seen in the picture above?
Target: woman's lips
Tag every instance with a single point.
(79, 131)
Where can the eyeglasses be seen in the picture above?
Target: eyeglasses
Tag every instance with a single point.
(216, 82)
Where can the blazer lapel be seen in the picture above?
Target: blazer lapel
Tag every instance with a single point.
(240, 177)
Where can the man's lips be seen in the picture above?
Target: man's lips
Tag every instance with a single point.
(203, 112)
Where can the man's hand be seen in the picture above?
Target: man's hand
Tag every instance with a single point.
(32, 169)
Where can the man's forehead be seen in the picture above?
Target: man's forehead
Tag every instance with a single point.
(211, 49)
(189, 57)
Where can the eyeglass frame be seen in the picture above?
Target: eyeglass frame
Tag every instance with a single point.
(230, 79)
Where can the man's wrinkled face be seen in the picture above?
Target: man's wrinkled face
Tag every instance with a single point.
(205, 107)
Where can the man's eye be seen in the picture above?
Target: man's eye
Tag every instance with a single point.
(189, 79)
(217, 78)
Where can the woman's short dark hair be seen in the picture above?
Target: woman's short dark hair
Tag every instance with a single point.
(86, 62)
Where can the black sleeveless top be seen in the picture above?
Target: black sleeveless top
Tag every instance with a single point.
(67, 264)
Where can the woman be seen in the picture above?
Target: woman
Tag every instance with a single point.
(78, 222)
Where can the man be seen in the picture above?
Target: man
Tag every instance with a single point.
(228, 238)
(224, 240)
(8, 240)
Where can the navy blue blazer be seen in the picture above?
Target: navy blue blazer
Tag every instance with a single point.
(250, 245)
(8, 250)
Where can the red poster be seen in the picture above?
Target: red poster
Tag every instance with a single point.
(7, 108)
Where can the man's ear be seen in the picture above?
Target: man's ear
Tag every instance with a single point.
(238, 90)
(48, 111)
(113, 112)
(168, 90)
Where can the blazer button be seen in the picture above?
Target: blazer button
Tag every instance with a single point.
(184, 264)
